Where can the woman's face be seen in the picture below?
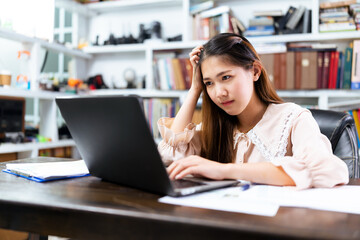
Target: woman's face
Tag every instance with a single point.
(230, 87)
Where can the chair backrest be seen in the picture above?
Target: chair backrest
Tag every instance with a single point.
(339, 127)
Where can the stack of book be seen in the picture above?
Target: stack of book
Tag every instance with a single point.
(336, 16)
(209, 20)
(260, 26)
(355, 12)
(296, 20)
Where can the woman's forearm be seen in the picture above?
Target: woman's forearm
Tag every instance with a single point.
(262, 172)
(186, 112)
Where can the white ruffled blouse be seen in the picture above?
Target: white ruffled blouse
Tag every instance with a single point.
(287, 136)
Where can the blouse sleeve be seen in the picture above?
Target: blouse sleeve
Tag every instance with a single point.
(174, 146)
(313, 163)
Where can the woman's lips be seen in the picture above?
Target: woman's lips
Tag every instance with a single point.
(227, 103)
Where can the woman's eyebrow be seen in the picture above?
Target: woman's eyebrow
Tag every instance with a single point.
(217, 75)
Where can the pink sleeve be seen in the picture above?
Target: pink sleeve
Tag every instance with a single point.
(176, 146)
(313, 163)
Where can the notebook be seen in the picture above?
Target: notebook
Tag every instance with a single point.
(115, 141)
(48, 171)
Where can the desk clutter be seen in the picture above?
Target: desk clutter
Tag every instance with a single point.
(265, 200)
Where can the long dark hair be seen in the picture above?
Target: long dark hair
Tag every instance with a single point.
(217, 126)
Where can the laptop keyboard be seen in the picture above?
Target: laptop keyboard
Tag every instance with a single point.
(181, 183)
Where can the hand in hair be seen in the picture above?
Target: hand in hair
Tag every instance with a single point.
(194, 59)
(197, 166)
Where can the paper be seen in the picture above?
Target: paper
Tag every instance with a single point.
(231, 199)
(338, 199)
(48, 170)
(265, 200)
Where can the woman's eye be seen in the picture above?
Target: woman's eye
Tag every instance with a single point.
(207, 83)
(225, 77)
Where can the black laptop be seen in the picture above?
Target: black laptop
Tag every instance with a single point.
(114, 139)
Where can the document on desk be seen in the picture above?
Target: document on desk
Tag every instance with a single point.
(42, 172)
(232, 199)
(265, 200)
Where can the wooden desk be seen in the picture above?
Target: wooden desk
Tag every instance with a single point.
(88, 208)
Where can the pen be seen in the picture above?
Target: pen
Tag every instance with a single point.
(245, 187)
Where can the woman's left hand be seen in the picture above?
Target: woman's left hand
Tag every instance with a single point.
(197, 166)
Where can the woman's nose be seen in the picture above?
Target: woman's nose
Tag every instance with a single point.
(221, 91)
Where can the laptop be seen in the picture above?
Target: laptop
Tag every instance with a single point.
(115, 141)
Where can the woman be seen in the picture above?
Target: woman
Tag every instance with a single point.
(247, 132)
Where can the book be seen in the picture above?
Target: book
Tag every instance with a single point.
(347, 68)
(279, 71)
(340, 78)
(273, 13)
(290, 70)
(334, 66)
(280, 24)
(307, 21)
(48, 171)
(333, 4)
(267, 61)
(295, 18)
(325, 73)
(355, 115)
(237, 25)
(320, 59)
(355, 72)
(308, 70)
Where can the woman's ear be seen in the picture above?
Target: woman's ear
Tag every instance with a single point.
(256, 70)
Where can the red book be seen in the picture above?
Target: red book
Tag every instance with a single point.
(335, 70)
(320, 65)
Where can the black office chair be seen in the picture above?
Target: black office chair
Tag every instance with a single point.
(339, 127)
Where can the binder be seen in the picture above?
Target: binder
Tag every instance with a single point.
(48, 171)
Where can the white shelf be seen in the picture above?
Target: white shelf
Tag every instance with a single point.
(112, 6)
(115, 48)
(141, 47)
(25, 147)
(11, 35)
(306, 37)
(13, 92)
(336, 93)
(145, 93)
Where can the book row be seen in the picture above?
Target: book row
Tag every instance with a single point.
(172, 73)
(155, 108)
(314, 69)
(339, 16)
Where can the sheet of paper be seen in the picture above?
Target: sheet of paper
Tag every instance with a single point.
(339, 199)
(265, 200)
(50, 169)
(231, 199)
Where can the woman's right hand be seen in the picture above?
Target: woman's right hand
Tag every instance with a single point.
(194, 58)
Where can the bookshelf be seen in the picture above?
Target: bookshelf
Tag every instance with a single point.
(109, 11)
(123, 17)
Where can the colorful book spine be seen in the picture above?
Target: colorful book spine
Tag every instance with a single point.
(355, 72)
(355, 115)
(347, 68)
